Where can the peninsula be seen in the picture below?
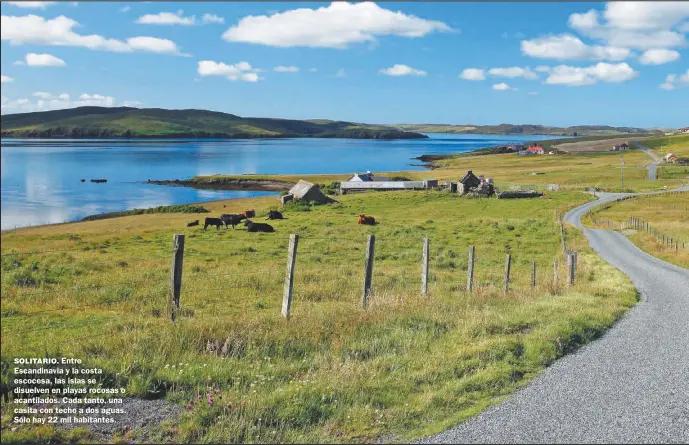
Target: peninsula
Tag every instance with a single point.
(128, 122)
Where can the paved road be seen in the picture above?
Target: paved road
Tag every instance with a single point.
(632, 385)
(656, 160)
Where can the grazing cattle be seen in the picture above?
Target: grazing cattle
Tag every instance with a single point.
(249, 213)
(258, 227)
(274, 214)
(193, 223)
(217, 222)
(231, 220)
(368, 220)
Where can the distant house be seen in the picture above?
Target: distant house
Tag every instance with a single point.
(534, 150)
(671, 158)
(515, 147)
(367, 177)
(469, 182)
(683, 130)
(622, 146)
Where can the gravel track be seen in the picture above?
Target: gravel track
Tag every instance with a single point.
(631, 385)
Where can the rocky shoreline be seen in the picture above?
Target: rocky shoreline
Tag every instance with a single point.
(267, 185)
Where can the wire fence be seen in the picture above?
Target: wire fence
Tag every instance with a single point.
(212, 278)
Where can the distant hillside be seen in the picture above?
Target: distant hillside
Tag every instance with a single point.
(127, 122)
(579, 130)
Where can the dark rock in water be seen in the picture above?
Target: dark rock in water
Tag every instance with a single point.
(83, 180)
(99, 181)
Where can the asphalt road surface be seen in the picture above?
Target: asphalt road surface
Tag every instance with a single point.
(631, 385)
(656, 160)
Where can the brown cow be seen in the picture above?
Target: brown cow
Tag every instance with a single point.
(249, 213)
(368, 220)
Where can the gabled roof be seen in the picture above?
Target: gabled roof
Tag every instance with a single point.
(468, 176)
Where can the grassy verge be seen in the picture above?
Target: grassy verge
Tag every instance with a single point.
(668, 214)
(405, 367)
(182, 208)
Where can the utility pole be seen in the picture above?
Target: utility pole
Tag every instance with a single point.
(622, 170)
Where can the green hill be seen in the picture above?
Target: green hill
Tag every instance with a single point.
(127, 122)
(579, 130)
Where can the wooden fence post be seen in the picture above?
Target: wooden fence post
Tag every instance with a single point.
(175, 276)
(424, 267)
(289, 275)
(572, 268)
(370, 248)
(470, 269)
(508, 266)
(533, 274)
(556, 263)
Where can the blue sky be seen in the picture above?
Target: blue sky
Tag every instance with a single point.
(622, 64)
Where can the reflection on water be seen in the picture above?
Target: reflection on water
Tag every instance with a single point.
(41, 178)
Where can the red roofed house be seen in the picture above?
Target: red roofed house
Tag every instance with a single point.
(683, 130)
(534, 150)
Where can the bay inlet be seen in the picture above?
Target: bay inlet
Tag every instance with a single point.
(41, 179)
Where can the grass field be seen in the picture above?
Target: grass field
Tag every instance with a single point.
(668, 214)
(405, 367)
(573, 171)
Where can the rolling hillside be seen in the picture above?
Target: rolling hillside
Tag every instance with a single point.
(579, 130)
(126, 122)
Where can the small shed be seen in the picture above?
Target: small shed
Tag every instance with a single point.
(309, 192)
(468, 182)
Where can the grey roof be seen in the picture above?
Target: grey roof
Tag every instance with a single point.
(308, 191)
(467, 176)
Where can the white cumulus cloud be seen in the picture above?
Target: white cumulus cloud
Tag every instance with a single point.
(501, 87)
(402, 70)
(673, 81)
(569, 47)
(44, 101)
(333, 26)
(472, 74)
(512, 72)
(601, 72)
(286, 69)
(659, 56)
(341, 73)
(36, 30)
(212, 18)
(6, 79)
(166, 18)
(240, 71)
(31, 5)
(33, 59)
(635, 25)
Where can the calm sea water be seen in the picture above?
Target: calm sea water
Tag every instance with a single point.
(41, 178)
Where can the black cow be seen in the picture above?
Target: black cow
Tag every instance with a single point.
(193, 223)
(231, 220)
(217, 222)
(274, 214)
(5, 392)
(258, 227)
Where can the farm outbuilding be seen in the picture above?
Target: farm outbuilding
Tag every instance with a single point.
(306, 191)
(469, 182)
